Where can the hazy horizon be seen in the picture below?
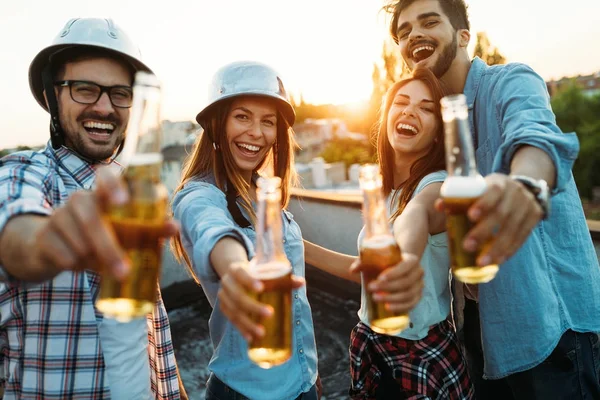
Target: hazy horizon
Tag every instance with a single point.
(323, 49)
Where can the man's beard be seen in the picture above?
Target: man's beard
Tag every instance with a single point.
(445, 60)
(76, 142)
(91, 153)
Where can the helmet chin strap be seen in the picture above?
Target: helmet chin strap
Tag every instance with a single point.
(57, 136)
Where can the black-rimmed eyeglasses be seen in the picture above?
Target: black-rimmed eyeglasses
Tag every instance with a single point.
(85, 92)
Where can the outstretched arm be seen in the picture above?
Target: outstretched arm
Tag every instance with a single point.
(532, 145)
(401, 286)
(507, 211)
(332, 262)
(72, 237)
(418, 220)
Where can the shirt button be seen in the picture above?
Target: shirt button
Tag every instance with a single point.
(283, 240)
(301, 351)
(296, 296)
(298, 322)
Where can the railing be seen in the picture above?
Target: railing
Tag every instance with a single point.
(328, 219)
(334, 220)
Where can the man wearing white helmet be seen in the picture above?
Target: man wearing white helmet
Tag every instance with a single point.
(54, 344)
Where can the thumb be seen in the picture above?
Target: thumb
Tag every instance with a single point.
(356, 266)
(439, 205)
(297, 282)
(239, 272)
(110, 188)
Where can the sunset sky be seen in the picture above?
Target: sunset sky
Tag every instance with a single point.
(324, 49)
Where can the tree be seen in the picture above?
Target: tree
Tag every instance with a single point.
(5, 152)
(348, 151)
(391, 69)
(488, 53)
(577, 113)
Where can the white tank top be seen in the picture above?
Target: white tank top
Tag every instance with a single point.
(125, 348)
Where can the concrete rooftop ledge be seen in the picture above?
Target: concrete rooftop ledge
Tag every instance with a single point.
(352, 200)
(594, 228)
(323, 196)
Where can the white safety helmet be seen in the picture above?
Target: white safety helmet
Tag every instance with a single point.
(86, 32)
(247, 78)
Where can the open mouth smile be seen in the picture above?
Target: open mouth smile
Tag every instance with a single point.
(248, 149)
(99, 128)
(422, 52)
(406, 129)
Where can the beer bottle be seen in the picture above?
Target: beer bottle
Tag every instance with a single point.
(137, 224)
(461, 189)
(378, 250)
(272, 268)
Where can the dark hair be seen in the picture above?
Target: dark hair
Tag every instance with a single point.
(80, 53)
(455, 10)
(434, 160)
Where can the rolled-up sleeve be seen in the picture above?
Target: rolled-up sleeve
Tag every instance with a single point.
(201, 209)
(24, 189)
(526, 118)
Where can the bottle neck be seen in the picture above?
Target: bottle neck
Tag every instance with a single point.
(269, 234)
(374, 213)
(144, 167)
(460, 155)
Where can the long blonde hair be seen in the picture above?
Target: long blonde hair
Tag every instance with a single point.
(205, 160)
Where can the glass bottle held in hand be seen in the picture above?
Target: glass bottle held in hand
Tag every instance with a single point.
(138, 224)
(272, 268)
(378, 250)
(462, 188)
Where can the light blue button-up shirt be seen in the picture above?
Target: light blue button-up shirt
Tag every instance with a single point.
(201, 208)
(552, 283)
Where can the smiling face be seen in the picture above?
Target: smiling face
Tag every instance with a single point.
(251, 130)
(426, 37)
(412, 125)
(93, 130)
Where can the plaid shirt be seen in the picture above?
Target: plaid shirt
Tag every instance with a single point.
(391, 367)
(49, 342)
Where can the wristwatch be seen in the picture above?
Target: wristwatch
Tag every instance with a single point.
(540, 190)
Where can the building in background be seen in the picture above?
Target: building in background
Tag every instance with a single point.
(179, 139)
(589, 84)
(313, 134)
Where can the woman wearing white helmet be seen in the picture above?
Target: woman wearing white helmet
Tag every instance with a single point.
(247, 125)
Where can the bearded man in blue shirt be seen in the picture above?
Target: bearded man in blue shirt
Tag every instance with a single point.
(540, 315)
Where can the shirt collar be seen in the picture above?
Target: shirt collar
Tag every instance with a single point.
(81, 170)
(476, 71)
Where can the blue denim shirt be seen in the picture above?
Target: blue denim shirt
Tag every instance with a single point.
(552, 283)
(201, 208)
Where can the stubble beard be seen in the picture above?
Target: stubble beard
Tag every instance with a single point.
(446, 58)
(79, 142)
(76, 141)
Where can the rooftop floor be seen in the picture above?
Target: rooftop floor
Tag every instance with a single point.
(334, 316)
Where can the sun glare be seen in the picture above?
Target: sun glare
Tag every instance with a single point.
(325, 49)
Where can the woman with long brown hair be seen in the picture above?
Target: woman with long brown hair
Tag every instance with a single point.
(247, 131)
(424, 360)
